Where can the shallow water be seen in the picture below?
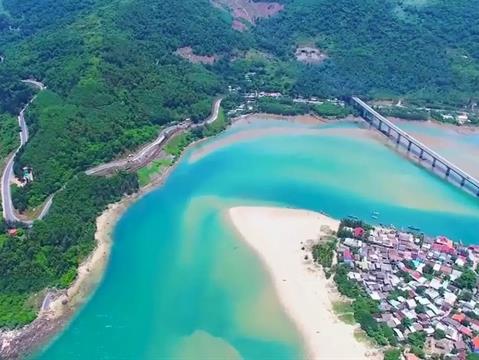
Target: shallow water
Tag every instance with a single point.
(180, 284)
(460, 147)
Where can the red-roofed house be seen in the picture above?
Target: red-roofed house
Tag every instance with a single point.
(12, 232)
(446, 269)
(475, 344)
(347, 255)
(442, 248)
(358, 232)
(416, 275)
(411, 357)
(459, 317)
(465, 331)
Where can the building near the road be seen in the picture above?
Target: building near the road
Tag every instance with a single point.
(27, 175)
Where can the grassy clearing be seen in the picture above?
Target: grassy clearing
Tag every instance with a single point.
(145, 173)
(347, 319)
(342, 307)
(218, 125)
(344, 312)
(176, 145)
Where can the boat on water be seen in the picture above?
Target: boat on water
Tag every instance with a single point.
(413, 228)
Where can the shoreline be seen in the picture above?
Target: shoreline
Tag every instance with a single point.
(307, 119)
(301, 286)
(28, 339)
(16, 343)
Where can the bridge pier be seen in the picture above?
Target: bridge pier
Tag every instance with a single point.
(439, 164)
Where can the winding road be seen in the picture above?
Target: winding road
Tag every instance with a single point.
(150, 149)
(7, 204)
(138, 158)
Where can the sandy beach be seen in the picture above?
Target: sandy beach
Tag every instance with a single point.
(277, 236)
(307, 119)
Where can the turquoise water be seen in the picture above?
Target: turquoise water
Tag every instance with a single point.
(456, 144)
(181, 285)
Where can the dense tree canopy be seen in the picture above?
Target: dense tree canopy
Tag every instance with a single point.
(427, 50)
(114, 80)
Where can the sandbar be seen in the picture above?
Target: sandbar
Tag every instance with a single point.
(278, 235)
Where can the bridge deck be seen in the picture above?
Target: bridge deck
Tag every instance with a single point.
(471, 179)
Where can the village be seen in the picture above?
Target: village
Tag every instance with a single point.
(426, 287)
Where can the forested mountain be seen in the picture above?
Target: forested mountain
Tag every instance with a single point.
(113, 79)
(426, 50)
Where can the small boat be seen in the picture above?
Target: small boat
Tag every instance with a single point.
(353, 217)
(413, 228)
(374, 217)
(375, 213)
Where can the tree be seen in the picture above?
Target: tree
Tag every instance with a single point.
(392, 354)
(467, 280)
(439, 334)
(406, 322)
(417, 339)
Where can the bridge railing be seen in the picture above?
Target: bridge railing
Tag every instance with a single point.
(418, 143)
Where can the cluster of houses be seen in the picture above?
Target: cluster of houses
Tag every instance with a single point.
(415, 280)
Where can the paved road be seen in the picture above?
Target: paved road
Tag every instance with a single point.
(150, 148)
(8, 209)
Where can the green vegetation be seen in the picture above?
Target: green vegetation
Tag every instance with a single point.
(467, 280)
(178, 143)
(281, 106)
(329, 109)
(216, 127)
(381, 48)
(364, 308)
(15, 310)
(393, 295)
(392, 354)
(8, 135)
(112, 82)
(404, 113)
(417, 340)
(156, 166)
(344, 311)
(342, 307)
(323, 253)
(439, 334)
(49, 253)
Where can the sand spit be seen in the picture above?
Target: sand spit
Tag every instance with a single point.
(277, 236)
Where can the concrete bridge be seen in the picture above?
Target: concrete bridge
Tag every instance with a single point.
(426, 156)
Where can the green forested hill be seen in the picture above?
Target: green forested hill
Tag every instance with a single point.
(113, 80)
(427, 50)
(112, 77)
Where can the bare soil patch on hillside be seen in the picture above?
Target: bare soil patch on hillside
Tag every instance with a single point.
(248, 11)
(188, 54)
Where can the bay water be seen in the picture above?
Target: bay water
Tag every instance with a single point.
(180, 283)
